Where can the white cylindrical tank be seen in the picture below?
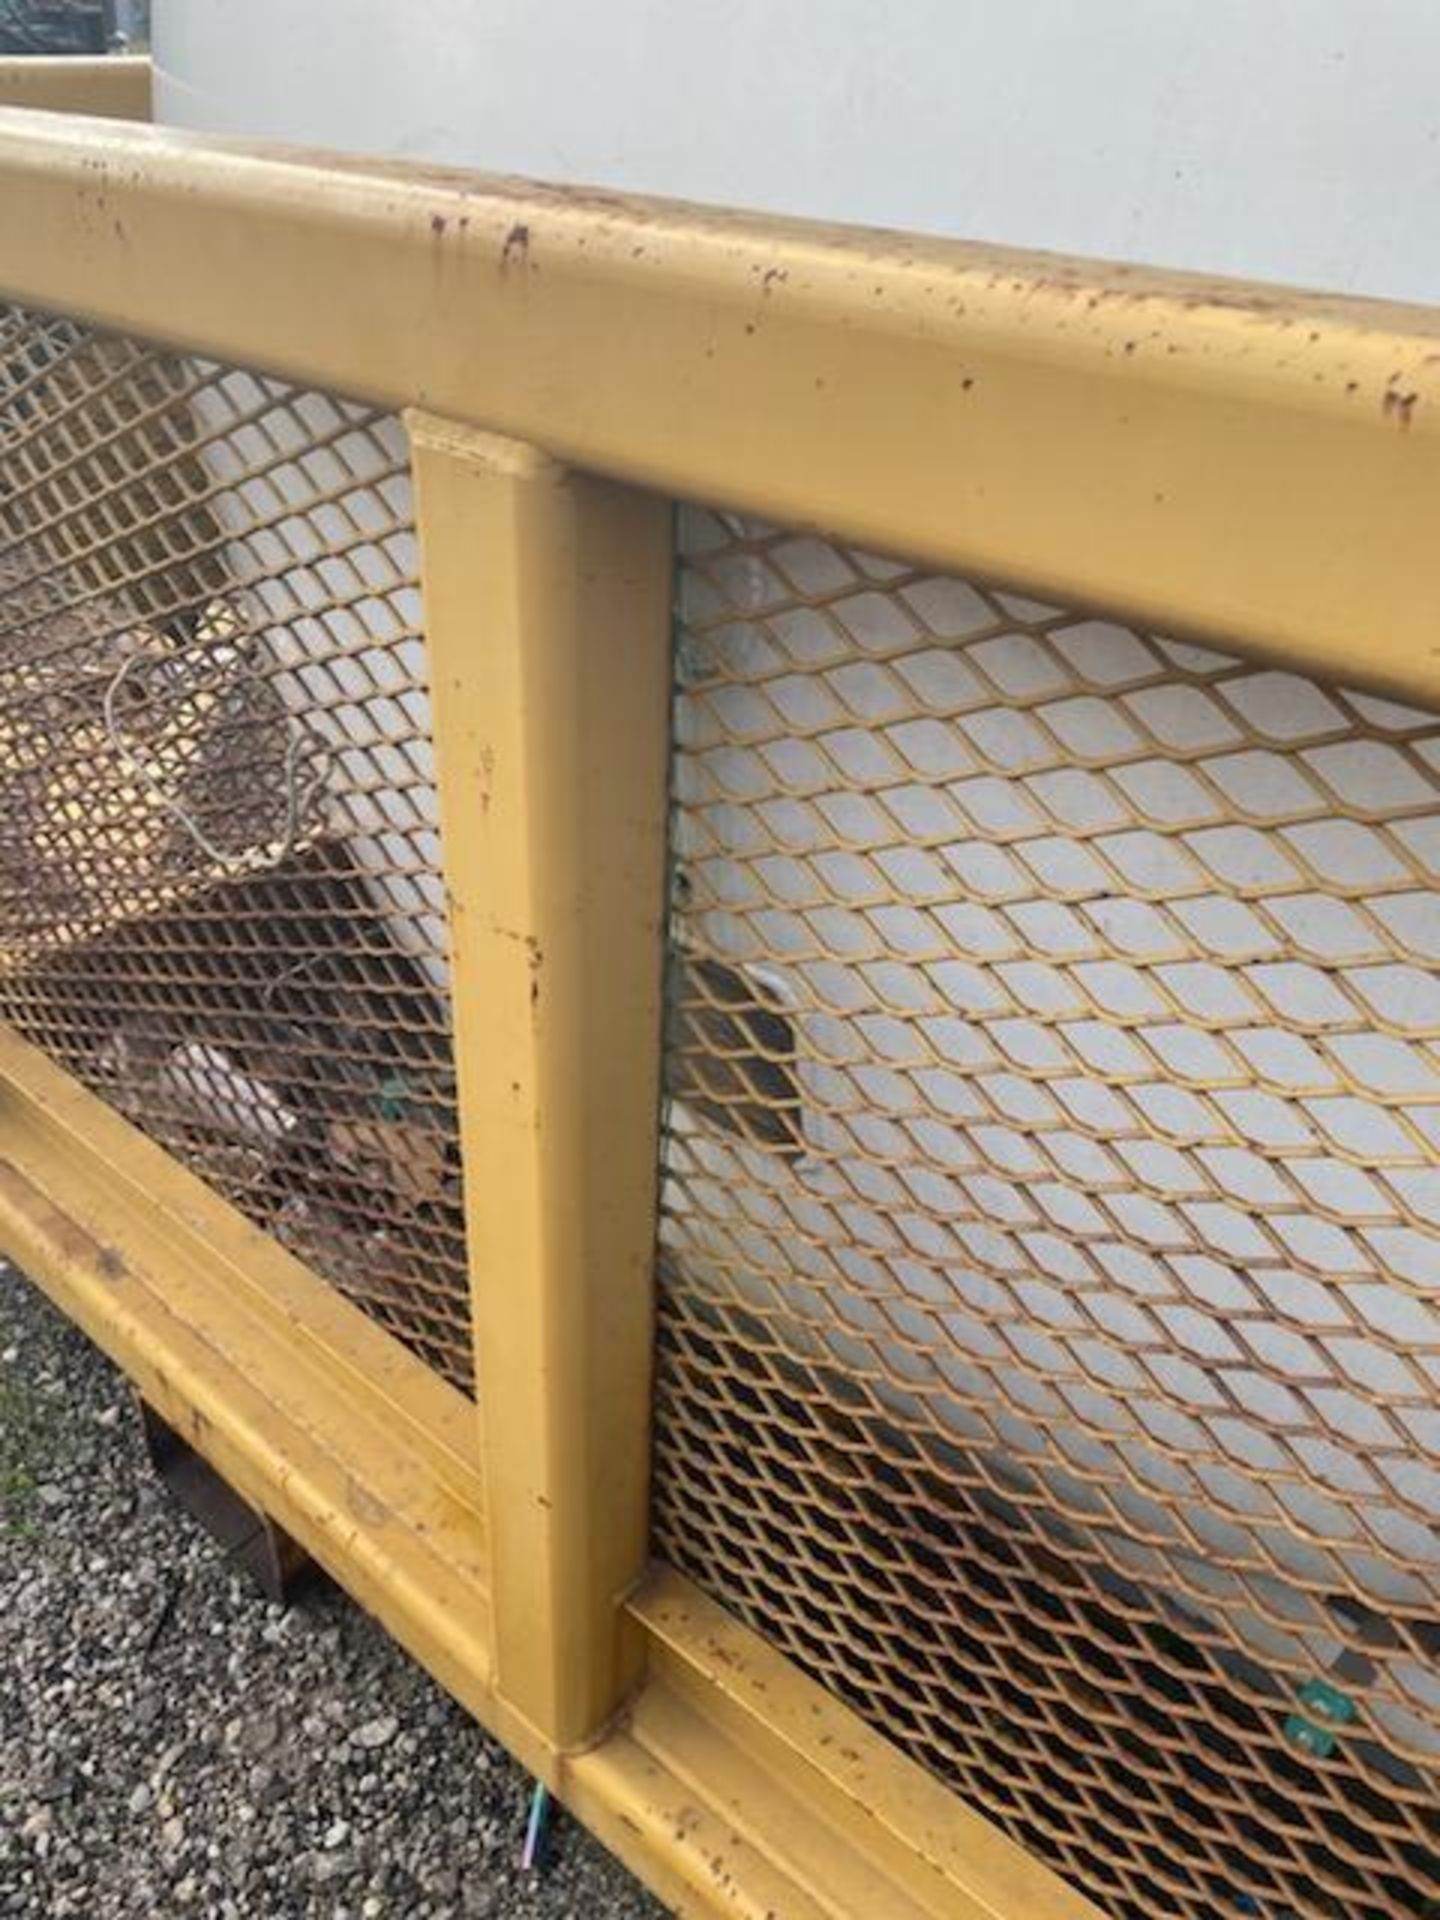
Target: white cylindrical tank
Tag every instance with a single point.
(1297, 141)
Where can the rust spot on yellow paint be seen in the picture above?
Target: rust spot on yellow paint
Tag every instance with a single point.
(516, 250)
(1399, 406)
(363, 1504)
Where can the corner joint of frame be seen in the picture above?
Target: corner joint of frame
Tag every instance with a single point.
(492, 453)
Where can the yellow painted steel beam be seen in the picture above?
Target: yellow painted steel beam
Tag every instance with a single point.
(752, 1790)
(1214, 458)
(547, 599)
(116, 88)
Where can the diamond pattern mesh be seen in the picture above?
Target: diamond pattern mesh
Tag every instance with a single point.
(1051, 1217)
(220, 898)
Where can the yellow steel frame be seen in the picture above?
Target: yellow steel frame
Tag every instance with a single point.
(1201, 456)
(547, 599)
(1215, 458)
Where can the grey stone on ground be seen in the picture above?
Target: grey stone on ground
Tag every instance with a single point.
(170, 1744)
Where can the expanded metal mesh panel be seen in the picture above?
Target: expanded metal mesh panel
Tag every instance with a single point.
(220, 902)
(1048, 1338)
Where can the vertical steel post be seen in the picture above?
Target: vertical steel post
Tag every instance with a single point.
(547, 597)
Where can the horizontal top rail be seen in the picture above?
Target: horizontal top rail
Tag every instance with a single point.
(115, 85)
(1209, 457)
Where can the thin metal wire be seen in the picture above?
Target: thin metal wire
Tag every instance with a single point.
(297, 804)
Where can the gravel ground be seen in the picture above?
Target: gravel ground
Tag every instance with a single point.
(171, 1744)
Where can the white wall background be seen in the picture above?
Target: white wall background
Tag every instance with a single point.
(1295, 140)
